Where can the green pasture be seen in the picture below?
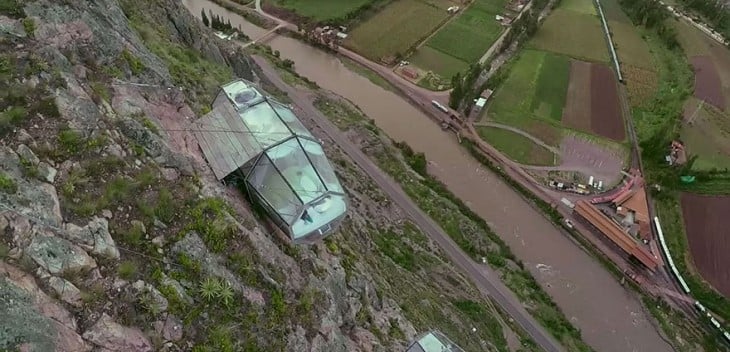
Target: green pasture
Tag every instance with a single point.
(580, 6)
(573, 34)
(517, 147)
(395, 29)
(470, 35)
(535, 88)
(444, 65)
(630, 47)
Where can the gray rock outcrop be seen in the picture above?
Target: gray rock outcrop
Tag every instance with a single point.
(94, 237)
(46, 326)
(111, 336)
(59, 256)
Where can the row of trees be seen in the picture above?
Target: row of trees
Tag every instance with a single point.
(652, 15)
(714, 11)
(462, 87)
(216, 22)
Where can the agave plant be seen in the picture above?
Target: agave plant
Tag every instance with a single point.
(209, 288)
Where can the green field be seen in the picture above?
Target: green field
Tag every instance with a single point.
(630, 47)
(573, 34)
(531, 99)
(442, 64)
(551, 89)
(613, 12)
(536, 88)
(396, 29)
(517, 147)
(470, 35)
(580, 6)
(321, 10)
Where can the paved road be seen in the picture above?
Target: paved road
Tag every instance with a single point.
(487, 282)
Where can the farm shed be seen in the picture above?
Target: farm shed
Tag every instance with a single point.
(433, 341)
(283, 166)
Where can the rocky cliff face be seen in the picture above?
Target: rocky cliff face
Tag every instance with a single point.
(114, 236)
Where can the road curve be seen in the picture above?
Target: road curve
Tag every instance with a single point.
(487, 281)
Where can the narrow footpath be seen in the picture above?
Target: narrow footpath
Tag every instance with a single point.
(486, 280)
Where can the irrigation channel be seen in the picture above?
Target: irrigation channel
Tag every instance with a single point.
(609, 316)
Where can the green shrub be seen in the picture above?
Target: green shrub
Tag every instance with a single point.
(11, 118)
(11, 8)
(7, 185)
(127, 270)
(29, 26)
(135, 64)
(210, 221)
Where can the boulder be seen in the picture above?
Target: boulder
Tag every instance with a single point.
(46, 172)
(67, 291)
(46, 326)
(177, 287)
(59, 256)
(27, 155)
(150, 296)
(38, 200)
(94, 237)
(111, 336)
(170, 329)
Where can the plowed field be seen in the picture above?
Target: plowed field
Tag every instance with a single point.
(578, 103)
(707, 82)
(606, 117)
(706, 223)
(592, 103)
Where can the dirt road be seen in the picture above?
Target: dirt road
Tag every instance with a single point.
(487, 281)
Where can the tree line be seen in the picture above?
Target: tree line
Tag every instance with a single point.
(652, 15)
(463, 87)
(714, 12)
(216, 22)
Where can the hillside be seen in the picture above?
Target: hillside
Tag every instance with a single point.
(115, 236)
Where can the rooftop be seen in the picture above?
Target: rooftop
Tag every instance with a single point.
(284, 166)
(433, 341)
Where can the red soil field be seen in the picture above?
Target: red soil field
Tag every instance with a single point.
(606, 120)
(576, 113)
(707, 82)
(706, 222)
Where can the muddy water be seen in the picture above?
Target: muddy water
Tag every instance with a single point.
(609, 317)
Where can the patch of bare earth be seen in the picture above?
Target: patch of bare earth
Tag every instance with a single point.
(606, 120)
(591, 159)
(576, 113)
(708, 86)
(706, 221)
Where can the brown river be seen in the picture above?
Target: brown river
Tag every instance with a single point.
(610, 317)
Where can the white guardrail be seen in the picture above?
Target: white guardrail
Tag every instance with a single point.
(699, 306)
